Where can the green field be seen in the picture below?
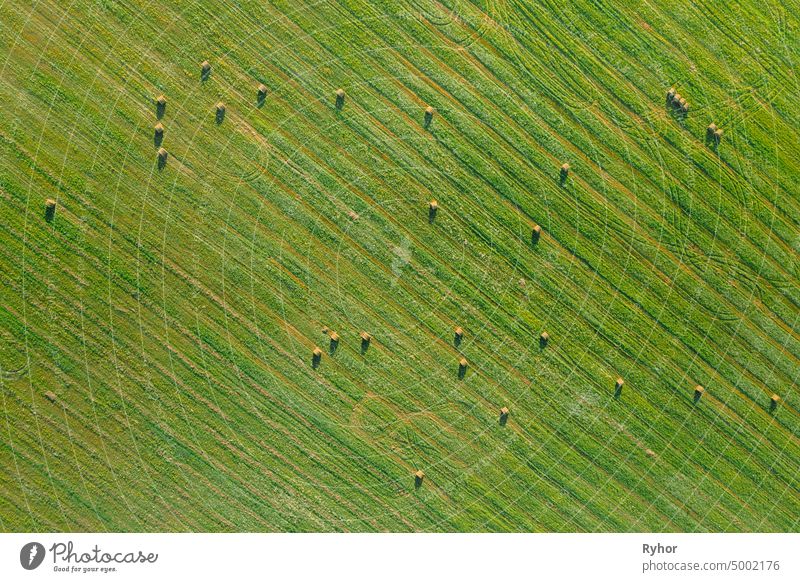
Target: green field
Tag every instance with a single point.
(173, 311)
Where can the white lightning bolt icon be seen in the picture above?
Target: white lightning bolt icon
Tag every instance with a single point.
(32, 555)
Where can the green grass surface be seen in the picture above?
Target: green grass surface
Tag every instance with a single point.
(173, 311)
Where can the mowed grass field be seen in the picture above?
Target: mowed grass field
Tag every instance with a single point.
(173, 311)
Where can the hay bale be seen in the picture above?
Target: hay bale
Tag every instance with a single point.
(433, 208)
(676, 98)
(334, 337)
(161, 106)
(458, 335)
(158, 134)
(365, 341)
(712, 127)
(564, 170)
(462, 367)
(50, 396)
(536, 233)
(544, 338)
(698, 392)
(316, 357)
(685, 107)
(429, 111)
(682, 102)
(504, 412)
(340, 98)
(718, 135)
(619, 384)
(774, 400)
(262, 90)
(671, 94)
(162, 157)
(205, 70)
(419, 476)
(49, 209)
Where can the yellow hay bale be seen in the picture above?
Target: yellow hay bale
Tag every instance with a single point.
(419, 476)
(49, 209)
(433, 208)
(698, 392)
(536, 233)
(774, 401)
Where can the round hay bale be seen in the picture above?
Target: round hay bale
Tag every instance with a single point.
(429, 111)
(774, 400)
(671, 94)
(205, 67)
(536, 233)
